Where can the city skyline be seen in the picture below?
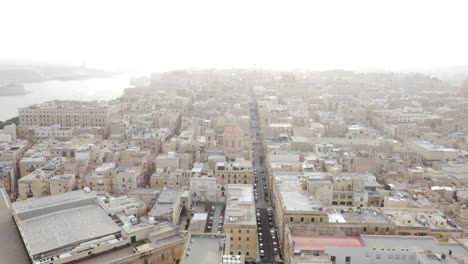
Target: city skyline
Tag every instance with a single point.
(233, 132)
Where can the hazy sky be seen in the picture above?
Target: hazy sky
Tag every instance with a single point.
(271, 34)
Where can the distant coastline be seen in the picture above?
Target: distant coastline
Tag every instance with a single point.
(23, 72)
(94, 88)
(12, 89)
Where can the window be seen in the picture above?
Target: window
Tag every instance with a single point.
(387, 229)
(248, 238)
(378, 256)
(376, 229)
(291, 219)
(321, 219)
(240, 231)
(247, 253)
(239, 238)
(348, 259)
(364, 229)
(333, 259)
(302, 219)
(162, 256)
(232, 238)
(312, 219)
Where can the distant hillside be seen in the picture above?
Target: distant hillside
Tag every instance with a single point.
(24, 71)
(14, 120)
(454, 75)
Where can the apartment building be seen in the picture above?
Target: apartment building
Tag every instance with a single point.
(240, 172)
(170, 203)
(103, 179)
(426, 153)
(240, 223)
(292, 204)
(204, 188)
(62, 183)
(7, 175)
(37, 183)
(128, 178)
(209, 249)
(367, 249)
(171, 179)
(29, 164)
(68, 114)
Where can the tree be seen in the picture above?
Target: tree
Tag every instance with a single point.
(14, 120)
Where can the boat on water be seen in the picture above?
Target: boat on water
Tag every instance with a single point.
(12, 89)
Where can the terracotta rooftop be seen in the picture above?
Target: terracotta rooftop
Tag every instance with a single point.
(318, 242)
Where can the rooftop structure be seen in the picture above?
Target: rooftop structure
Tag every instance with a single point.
(198, 223)
(426, 249)
(57, 226)
(293, 198)
(207, 249)
(320, 242)
(240, 203)
(169, 204)
(356, 215)
(417, 217)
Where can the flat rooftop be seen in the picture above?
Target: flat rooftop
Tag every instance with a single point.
(200, 217)
(293, 198)
(34, 207)
(240, 204)
(417, 218)
(317, 242)
(68, 105)
(356, 215)
(165, 202)
(414, 243)
(204, 249)
(65, 228)
(431, 147)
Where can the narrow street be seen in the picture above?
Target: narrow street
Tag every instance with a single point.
(265, 222)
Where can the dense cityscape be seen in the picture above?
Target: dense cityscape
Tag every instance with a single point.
(241, 166)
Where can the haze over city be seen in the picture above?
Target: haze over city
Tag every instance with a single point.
(163, 35)
(233, 132)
